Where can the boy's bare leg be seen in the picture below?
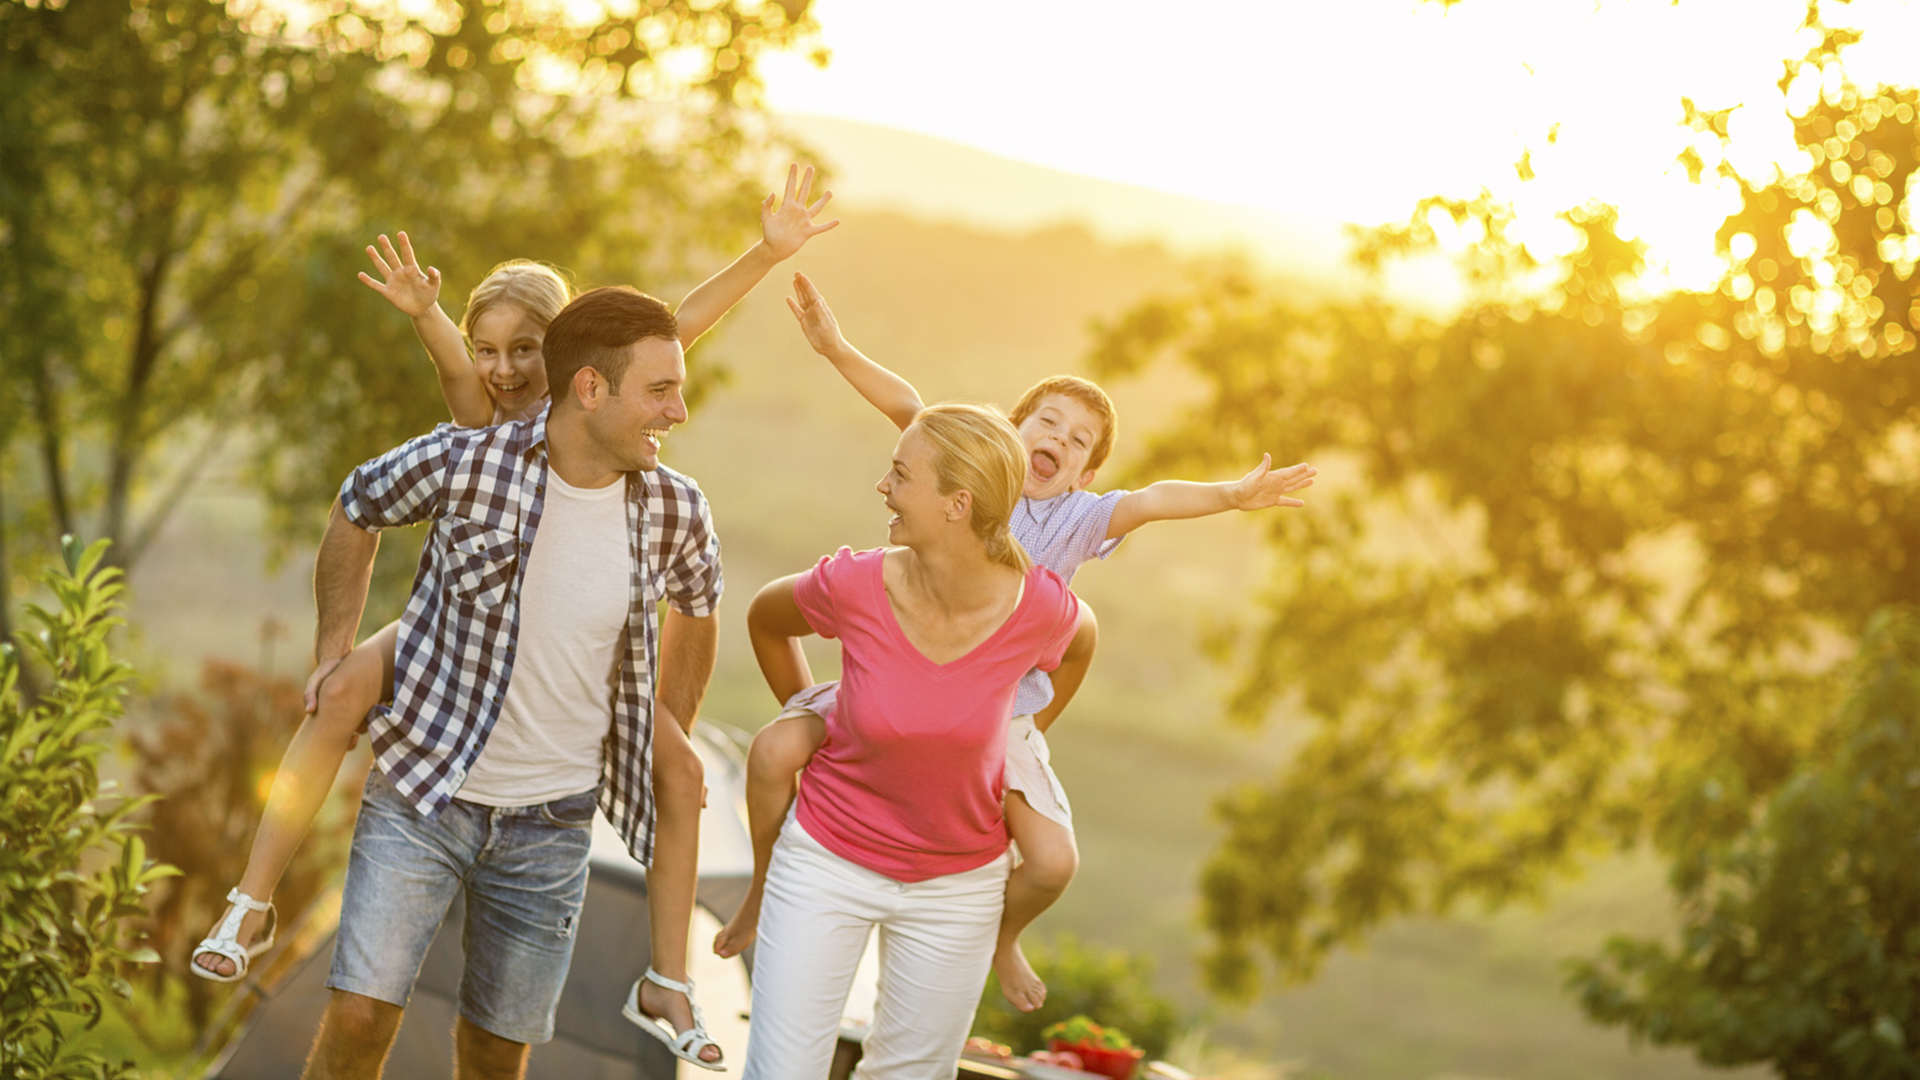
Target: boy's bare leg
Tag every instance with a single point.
(679, 782)
(355, 1035)
(779, 751)
(479, 1054)
(1048, 861)
(307, 772)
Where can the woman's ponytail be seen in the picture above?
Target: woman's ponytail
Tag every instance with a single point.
(977, 451)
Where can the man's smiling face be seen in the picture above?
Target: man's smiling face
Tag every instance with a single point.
(631, 424)
(1059, 435)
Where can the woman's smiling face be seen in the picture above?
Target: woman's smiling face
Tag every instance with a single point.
(912, 490)
(506, 354)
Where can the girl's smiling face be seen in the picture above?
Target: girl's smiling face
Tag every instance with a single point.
(506, 354)
(1059, 435)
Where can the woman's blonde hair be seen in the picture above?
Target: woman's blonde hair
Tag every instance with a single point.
(977, 451)
(536, 288)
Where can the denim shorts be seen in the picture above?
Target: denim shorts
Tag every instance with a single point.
(524, 869)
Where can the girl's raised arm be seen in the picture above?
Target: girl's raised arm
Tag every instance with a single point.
(416, 292)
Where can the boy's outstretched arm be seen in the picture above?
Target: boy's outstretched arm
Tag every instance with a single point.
(884, 390)
(1072, 670)
(1169, 500)
(784, 230)
(416, 292)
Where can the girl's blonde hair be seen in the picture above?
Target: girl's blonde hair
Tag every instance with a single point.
(536, 288)
(977, 451)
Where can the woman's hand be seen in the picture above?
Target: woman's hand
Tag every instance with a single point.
(406, 287)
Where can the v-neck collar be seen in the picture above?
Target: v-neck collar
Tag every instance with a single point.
(900, 632)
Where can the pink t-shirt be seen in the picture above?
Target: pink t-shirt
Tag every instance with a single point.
(909, 780)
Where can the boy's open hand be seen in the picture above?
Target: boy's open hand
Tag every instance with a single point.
(787, 227)
(816, 319)
(1263, 487)
(406, 287)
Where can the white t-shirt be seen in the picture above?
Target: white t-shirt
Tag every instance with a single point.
(547, 743)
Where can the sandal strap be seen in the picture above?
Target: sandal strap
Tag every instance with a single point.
(658, 979)
(240, 899)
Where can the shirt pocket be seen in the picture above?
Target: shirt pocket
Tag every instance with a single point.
(479, 563)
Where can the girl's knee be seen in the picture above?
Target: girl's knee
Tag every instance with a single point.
(348, 694)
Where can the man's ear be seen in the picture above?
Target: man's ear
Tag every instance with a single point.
(588, 388)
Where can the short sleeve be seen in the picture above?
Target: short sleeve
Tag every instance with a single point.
(694, 580)
(1090, 527)
(1062, 622)
(820, 591)
(403, 486)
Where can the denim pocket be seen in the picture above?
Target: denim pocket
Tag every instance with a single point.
(572, 812)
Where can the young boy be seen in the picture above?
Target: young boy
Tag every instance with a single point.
(1069, 426)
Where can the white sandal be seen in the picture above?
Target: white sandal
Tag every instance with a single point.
(225, 939)
(687, 1045)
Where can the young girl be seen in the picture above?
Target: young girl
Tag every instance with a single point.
(1067, 426)
(505, 380)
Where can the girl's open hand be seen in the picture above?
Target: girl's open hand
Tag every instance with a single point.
(406, 287)
(816, 318)
(787, 227)
(1264, 487)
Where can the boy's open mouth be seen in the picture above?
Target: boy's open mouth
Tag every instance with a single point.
(1044, 464)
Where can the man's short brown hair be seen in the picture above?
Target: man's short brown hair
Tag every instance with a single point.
(595, 331)
(1084, 392)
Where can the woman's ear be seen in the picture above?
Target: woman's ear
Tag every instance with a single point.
(960, 505)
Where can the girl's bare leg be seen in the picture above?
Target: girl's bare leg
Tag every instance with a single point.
(307, 772)
(779, 751)
(1048, 861)
(679, 783)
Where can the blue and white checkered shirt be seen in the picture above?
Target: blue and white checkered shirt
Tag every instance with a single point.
(483, 490)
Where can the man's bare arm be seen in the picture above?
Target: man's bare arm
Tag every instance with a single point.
(688, 646)
(341, 573)
(1072, 670)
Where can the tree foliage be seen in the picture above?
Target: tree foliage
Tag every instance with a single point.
(1800, 944)
(186, 187)
(72, 874)
(1598, 554)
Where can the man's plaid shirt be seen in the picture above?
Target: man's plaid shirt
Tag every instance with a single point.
(483, 490)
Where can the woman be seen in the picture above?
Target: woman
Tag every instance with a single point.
(898, 823)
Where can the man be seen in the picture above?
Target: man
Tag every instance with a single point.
(525, 693)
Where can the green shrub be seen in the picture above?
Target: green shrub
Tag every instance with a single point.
(1108, 985)
(71, 871)
(1799, 944)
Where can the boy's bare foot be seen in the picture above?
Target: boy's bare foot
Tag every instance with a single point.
(1022, 988)
(740, 930)
(250, 927)
(671, 1006)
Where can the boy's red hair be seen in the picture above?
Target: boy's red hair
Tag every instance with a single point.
(1084, 392)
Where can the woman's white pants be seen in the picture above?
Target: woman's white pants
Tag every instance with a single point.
(936, 943)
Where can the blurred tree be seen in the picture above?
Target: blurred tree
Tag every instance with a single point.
(208, 759)
(1601, 555)
(186, 187)
(1800, 945)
